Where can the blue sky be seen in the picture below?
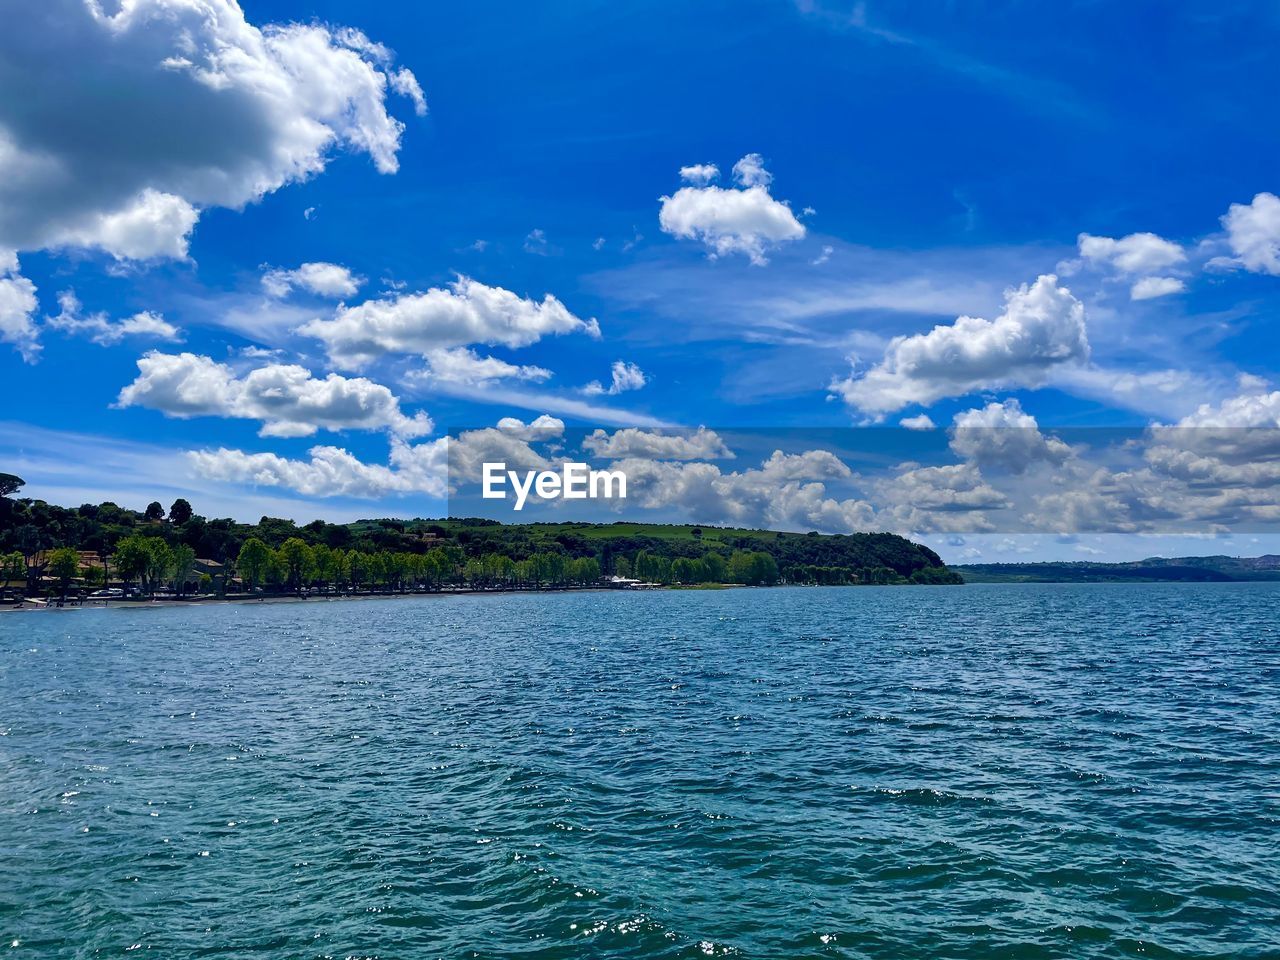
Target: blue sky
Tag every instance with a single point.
(174, 164)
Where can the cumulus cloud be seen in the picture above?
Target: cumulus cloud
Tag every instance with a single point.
(750, 171)
(322, 279)
(787, 491)
(1002, 435)
(332, 471)
(958, 486)
(17, 309)
(1137, 258)
(424, 468)
(1257, 408)
(467, 312)
(189, 107)
(700, 174)
(921, 421)
(1138, 253)
(288, 400)
(463, 365)
(1253, 233)
(746, 220)
(632, 442)
(99, 328)
(510, 442)
(625, 376)
(1041, 329)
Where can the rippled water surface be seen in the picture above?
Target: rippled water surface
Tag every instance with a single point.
(986, 771)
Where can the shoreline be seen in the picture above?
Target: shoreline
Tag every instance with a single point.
(273, 599)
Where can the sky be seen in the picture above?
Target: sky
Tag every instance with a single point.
(269, 256)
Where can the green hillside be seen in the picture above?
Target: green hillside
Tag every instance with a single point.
(457, 549)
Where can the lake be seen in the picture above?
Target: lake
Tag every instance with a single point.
(981, 771)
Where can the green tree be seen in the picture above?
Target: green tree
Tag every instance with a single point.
(299, 564)
(131, 558)
(159, 563)
(253, 562)
(184, 562)
(715, 566)
(323, 563)
(181, 511)
(154, 511)
(64, 564)
(13, 566)
(357, 569)
(10, 484)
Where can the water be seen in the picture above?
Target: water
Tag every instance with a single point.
(987, 771)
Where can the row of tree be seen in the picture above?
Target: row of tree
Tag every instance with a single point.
(297, 566)
(154, 548)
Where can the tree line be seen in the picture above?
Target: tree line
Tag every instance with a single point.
(158, 549)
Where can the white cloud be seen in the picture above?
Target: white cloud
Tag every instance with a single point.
(729, 220)
(153, 225)
(750, 171)
(824, 256)
(1003, 435)
(919, 422)
(463, 365)
(536, 243)
(288, 400)
(1042, 328)
(948, 499)
(101, 330)
(699, 174)
(468, 312)
(17, 309)
(322, 279)
(625, 376)
(331, 471)
(1148, 288)
(1160, 392)
(1253, 233)
(1138, 253)
(190, 106)
(700, 444)
(423, 468)
(787, 492)
(509, 442)
(958, 486)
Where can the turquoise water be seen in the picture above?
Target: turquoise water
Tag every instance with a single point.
(986, 771)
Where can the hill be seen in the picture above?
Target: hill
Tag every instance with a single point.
(1153, 569)
(666, 553)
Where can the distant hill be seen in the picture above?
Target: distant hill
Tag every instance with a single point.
(1153, 569)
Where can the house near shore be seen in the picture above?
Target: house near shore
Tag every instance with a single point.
(630, 583)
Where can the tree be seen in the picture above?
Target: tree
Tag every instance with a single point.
(180, 512)
(298, 563)
(253, 562)
(131, 558)
(10, 484)
(154, 511)
(13, 566)
(64, 564)
(184, 562)
(159, 563)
